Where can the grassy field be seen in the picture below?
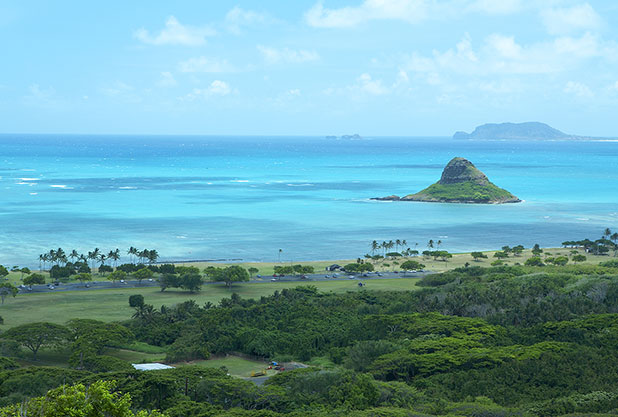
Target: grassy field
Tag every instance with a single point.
(113, 304)
(459, 259)
(235, 365)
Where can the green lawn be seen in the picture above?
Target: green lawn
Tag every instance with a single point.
(113, 304)
(133, 356)
(235, 365)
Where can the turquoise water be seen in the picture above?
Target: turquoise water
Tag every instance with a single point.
(248, 197)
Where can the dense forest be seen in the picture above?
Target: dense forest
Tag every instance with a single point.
(474, 341)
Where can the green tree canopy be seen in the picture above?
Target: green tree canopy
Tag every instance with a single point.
(35, 335)
(142, 274)
(228, 275)
(98, 400)
(6, 289)
(34, 279)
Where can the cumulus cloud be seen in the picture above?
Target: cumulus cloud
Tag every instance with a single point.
(204, 64)
(43, 97)
(274, 55)
(216, 88)
(560, 21)
(577, 89)
(175, 33)
(121, 91)
(410, 11)
(238, 18)
(496, 7)
(499, 54)
(368, 85)
(407, 10)
(167, 79)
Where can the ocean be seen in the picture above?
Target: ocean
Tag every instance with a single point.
(246, 198)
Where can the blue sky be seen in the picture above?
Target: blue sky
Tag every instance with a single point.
(307, 67)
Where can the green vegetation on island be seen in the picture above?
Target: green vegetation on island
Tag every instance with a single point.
(461, 182)
(515, 131)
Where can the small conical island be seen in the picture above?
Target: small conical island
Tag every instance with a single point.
(461, 182)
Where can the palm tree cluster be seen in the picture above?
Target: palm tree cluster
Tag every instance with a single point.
(146, 255)
(387, 246)
(60, 257)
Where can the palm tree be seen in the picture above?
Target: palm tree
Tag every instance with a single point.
(374, 246)
(404, 243)
(439, 242)
(397, 244)
(142, 255)
(102, 258)
(280, 250)
(41, 260)
(74, 255)
(614, 237)
(430, 244)
(152, 256)
(114, 255)
(132, 252)
(607, 233)
(384, 247)
(60, 255)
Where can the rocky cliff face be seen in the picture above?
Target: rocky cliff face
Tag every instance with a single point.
(461, 170)
(461, 182)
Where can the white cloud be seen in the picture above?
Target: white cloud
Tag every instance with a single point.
(203, 64)
(295, 92)
(410, 11)
(274, 55)
(43, 97)
(505, 46)
(496, 7)
(121, 91)
(407, 10)
(167, 79)
(499, 54)
(237, 18)
(368, 85)
(116, 89)
(176, 33)
(578, 89)
(559, 21)
(216, 88)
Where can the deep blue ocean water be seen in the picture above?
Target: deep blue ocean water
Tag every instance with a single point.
(247, 197)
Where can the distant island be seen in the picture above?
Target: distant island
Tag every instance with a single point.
(354, 136)
(461, 182)
(514, 131)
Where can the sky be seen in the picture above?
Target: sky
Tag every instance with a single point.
(307, 67)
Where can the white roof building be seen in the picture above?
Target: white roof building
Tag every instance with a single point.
(150, 366)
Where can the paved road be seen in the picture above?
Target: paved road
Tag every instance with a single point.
(103, 285)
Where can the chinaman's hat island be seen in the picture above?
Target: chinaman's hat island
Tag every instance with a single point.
(461, 182)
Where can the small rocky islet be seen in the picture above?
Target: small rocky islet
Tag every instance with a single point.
(461, 182)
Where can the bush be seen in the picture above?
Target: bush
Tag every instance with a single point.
(534, 261)
(7, 364)
(105, 363)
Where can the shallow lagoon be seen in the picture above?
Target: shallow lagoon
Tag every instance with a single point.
(248, 197)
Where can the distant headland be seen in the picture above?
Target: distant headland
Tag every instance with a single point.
(354, 136)
(461, 182)
(516, 131)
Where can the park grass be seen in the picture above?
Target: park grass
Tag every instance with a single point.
(133, 356)
(113, 304)
(235, 365)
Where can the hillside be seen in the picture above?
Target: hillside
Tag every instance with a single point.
(461, 182)
(510, 131)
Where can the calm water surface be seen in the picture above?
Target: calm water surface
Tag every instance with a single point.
(248, 197)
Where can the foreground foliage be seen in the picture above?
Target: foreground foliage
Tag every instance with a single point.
(501, 341)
